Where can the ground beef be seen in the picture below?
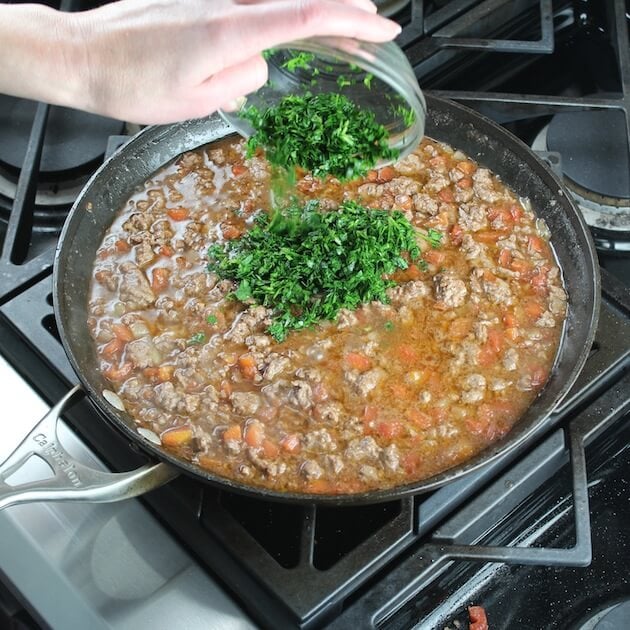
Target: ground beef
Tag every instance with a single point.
(167, 397)
(474, 386)
(364, 383)
(142, 353)
(248, 322)
(390, 457)
(497, 290)
(319, 441)
(472, 217)
(510, 360)
(363, 448)
(449, 290)
(276, 365)
(311, 469)
(135, 291)
(301, 394)
(245, 403)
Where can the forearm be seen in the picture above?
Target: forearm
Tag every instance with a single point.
(40, 54)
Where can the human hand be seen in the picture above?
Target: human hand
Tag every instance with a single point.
(152, 61)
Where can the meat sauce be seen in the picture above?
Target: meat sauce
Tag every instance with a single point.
(383, 396)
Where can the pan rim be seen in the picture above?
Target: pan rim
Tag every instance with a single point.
(494, 451)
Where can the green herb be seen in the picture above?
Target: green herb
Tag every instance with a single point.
(196, 339)
(299, 60)
(212, 320)
(367, 81)
(389, 325)
(306, 265)
(406, 113)
(433, 237)
(343, 81)
(326, 134)
(268, 53)
(423, 264)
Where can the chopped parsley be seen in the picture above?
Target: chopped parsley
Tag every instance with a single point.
(299, 60)
(306, 265)
(212, 320)
(433, 237)
(388, 325)
(326, 134)
(196, 339)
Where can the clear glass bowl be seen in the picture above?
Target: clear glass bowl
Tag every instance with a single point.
(376, 77)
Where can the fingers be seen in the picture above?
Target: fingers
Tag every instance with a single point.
(226, 86)
(365, 5)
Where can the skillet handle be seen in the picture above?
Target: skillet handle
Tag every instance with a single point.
(72, 480)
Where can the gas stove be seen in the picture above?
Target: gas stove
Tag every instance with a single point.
(538, 538)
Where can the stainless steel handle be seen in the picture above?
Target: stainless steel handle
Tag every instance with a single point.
(72, 480)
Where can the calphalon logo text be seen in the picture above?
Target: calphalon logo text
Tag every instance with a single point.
(52, 450)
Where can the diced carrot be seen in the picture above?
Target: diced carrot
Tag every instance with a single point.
(113, 347)
(319, 486)
(434, 257)
(460, 327)
(178, 214)
(239, 169)
(413, 272)
(233, 432)
(160, 279)
(151, 373)
(487, 356)
(468, 168)
(400, 391)
(254, 434)
(446, 195)
(465, 183)
(290, 443)
(439, 161)
(457, 234)
(177, 436)
(370, 413)
(509, 319)
(122, 246)
(512, 333)
(358, 361)
(490, 236)
(123, 332)
(247, 366)
(230, 231)
(390, 430)
(536, 244)
(270, 450)
(166, 250)
(406, 354)
(411, 462)
(496, 339)
(386, 174)
(505, 257)
(372, 176)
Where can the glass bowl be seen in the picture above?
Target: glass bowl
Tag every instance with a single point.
(376, 77)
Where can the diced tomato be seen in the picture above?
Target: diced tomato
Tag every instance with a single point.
(505, 257)
(386, 174)
(160, 279)
(399, 391)
(465, 183)
(434, 257)
(123, 332)
(270, 450)
(177, 436)
(520, 265)
(411, 462)
(372, 176)
(491, 418)
(390, 429)
(290, 443)
(509, 319)
(487, 356)
(178, 214)
(419, 418)
(516, 211)
(490, 236)
(496, 339)
(358, 361)
(115, 373)
(533, 309)
(239, 169)
(230, 231)
(457, 234)
(151, 373)
(166, 250)
(408, 355)
(512, 333)
(370, 413)
(113, 347)
(466, 167)
(254, 434)
(413, 272)
(319, 486)
(446, 195)
(247, 366)
(536, 244)
(122, 246)
(478, 619)
(165, 373)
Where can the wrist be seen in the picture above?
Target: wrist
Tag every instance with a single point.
(43, 55)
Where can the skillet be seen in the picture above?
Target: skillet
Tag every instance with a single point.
(93, 212)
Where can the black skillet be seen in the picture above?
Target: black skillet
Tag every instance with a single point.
(462, 128)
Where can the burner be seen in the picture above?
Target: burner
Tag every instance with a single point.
(390, 7)
(74, 146)
(594, 153)
(612, 618)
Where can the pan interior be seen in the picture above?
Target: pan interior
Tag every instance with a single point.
(479, 138)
